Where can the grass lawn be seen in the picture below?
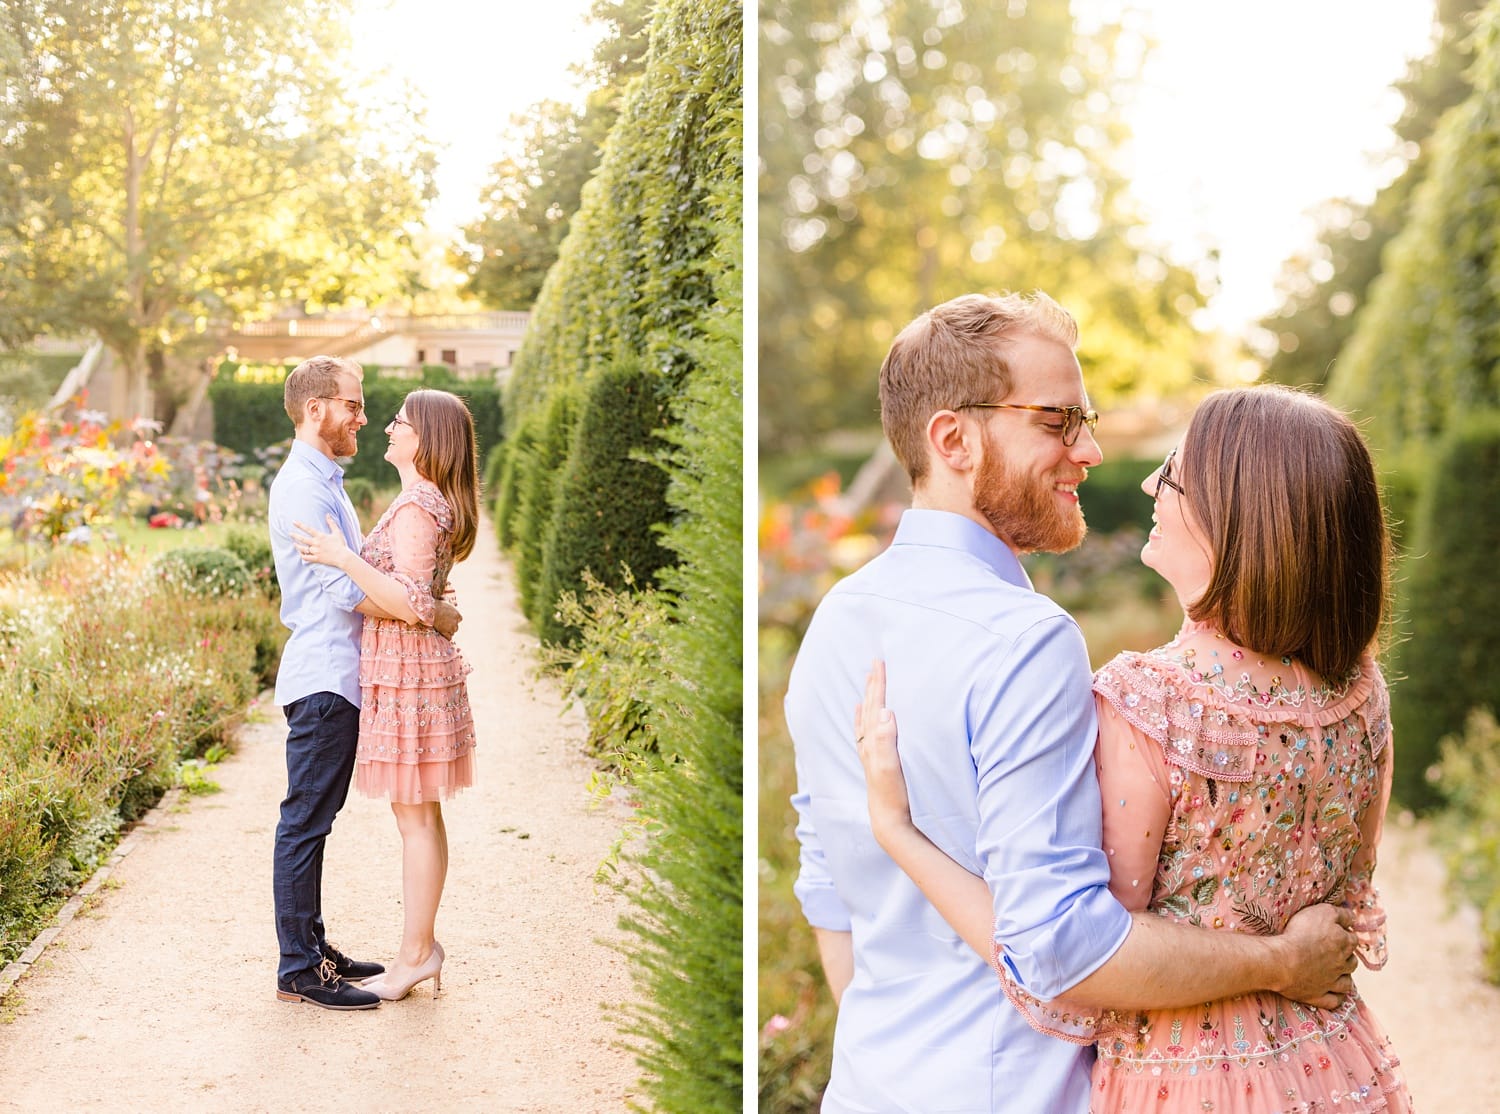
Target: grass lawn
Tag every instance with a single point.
(138, 538)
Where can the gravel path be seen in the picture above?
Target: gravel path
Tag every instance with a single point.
(160, 994)
(1442, 1017)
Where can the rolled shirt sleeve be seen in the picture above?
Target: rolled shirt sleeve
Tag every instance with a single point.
(1032, 743)
(814, 887)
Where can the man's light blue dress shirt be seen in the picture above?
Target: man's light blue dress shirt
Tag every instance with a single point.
(317, 601)
(990, 684)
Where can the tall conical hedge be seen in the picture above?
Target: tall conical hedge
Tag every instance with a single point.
(1449, 663)
(610, 495)
(535, 489)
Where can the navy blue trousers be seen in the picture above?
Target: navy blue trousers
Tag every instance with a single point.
(322, 732)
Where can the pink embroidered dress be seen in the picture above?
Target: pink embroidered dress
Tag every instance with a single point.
(1234, 808)
(416, 732)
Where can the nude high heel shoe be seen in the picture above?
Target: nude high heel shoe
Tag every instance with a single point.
(388, 991)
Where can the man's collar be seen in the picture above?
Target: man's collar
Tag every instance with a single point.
(950, 530)
(325, 467)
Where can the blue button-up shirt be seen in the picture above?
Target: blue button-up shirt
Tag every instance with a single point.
(990, 684)
(317, 601)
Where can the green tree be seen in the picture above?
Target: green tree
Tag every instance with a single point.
(911, 152)
(1425, 346)
(529, 199)
(1451, 605)
(638, 266)
(171, 167)
(1323, 288)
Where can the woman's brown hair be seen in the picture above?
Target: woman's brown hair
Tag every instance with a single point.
(1285, 489)
(446, 455)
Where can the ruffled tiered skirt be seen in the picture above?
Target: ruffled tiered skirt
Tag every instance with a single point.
(1258, 1054)
(416, 732)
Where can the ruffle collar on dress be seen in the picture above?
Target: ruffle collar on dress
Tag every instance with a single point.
(1213, 726)
(426, 494)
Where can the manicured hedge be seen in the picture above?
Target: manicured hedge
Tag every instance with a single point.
(608, 500)
(536, 489)
(1450, 606)
(251, 415)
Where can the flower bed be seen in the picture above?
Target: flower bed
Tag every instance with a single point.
(111, 676)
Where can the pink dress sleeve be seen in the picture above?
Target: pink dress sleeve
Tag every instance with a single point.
(1360, 895)
(1135, 789)
(414, 542)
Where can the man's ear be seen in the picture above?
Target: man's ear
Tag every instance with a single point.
(952, 442)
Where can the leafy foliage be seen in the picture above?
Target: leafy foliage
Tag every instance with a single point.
(171, 166)
(535, 493)
(1450, 604)
(1318, 314)
(168, 678)
(206, 572)
(687, 904)
(637, 268)
(1425, 346)
(911, 153)
(529, 200)
(609, 496)
(1469, 827)
(514, 453)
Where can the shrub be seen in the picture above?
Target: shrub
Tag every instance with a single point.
(1425, 346)
(1469, 829)
(494, 469)
(206, 571)
(639, 265)
(109, 678)
(1451, 604)
(610, 497)
(535, 488)
(513, 454)
(252, 545)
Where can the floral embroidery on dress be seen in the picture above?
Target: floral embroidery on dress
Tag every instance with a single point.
(416, 729)
(1272, 801)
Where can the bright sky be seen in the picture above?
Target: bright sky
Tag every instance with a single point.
(1250, 113)
(1253, 113)
(477, 64)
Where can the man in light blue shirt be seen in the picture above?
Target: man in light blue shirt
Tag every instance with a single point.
(317, 683)
(983, 401)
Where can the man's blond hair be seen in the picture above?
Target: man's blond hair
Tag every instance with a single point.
(954, 355)
(316, 377)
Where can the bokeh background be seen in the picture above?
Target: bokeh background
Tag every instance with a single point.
(1220, 198)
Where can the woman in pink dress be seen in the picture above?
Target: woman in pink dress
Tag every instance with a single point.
(1244, 767)
(416, 732)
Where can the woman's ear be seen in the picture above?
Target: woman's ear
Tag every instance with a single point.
(951, 442)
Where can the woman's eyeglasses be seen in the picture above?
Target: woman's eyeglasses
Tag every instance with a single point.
(1164, 477)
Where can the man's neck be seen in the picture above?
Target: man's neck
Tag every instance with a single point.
(937, 497)
(308, 435)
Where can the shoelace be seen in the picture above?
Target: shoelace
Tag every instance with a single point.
(326, 973)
